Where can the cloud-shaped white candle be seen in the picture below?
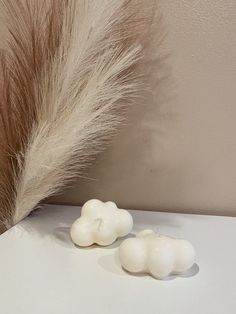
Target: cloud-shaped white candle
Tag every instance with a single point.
(156, 255)
(100, 223)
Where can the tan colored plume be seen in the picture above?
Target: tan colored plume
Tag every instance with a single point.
(69, 69)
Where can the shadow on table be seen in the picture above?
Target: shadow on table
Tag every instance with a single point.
(62, 235)
(111, 264)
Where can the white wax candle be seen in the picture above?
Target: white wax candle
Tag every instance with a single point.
(156, 255)
(100, 223)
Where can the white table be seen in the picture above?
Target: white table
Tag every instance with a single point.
(42, 272)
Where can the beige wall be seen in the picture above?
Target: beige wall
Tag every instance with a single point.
(181, 156)
(181, 153)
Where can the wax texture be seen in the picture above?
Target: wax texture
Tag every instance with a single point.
(101, 223)
(157, 255)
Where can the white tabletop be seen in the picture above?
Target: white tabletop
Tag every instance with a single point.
(42, 272)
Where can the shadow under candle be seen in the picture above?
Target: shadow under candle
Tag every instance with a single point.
(112, 264)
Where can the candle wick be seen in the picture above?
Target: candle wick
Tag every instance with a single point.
(99, 221)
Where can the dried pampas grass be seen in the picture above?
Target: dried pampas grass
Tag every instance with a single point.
(69, 70)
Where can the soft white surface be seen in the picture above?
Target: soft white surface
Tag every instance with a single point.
(41, 271)
(155, 254)
(100, 223)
